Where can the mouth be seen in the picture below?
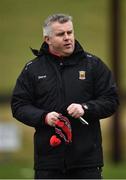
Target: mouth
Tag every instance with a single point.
(68, 45)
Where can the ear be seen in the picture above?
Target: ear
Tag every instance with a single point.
(47, 40)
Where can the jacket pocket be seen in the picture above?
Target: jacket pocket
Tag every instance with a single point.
(42, 143)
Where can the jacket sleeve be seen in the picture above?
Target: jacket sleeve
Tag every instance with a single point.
(105, 99)
(22, 102)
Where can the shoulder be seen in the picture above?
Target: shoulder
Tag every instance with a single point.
(96, 64)
(32, 67)
(94, 60)
(31, 63)
(92, 57)
(34, 63)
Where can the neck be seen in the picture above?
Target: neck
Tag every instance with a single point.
(54, 53)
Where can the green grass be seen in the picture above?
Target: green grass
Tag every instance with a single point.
(16, 170)
(24, 170)
(20, 28)
(113, 171)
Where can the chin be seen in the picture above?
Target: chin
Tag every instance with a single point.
(69, 52)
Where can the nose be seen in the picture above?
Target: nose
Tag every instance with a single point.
(66, 36)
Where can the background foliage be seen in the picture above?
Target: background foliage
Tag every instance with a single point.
(21, 28)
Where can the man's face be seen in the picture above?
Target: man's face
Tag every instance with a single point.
(61, 39)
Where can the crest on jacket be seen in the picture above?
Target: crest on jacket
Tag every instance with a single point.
(82, 75)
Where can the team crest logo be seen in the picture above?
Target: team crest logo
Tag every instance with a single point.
(82, 75)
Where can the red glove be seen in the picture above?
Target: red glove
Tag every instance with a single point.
(54, 141)
(63, 130)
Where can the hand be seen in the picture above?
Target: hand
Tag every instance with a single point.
(75, 110)
(51, 118)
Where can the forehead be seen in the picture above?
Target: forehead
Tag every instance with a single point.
(56, 26)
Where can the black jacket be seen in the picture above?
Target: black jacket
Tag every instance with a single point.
(49, 83)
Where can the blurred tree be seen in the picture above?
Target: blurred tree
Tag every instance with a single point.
(115, 34)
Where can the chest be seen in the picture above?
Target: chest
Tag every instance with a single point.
(72, 82)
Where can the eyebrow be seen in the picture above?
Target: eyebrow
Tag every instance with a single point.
(63, 32)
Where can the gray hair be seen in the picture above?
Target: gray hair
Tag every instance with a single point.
(61, 18)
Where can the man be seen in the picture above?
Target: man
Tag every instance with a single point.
(62, 85)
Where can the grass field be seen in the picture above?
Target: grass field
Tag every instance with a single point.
(21, 28)
(24, 170)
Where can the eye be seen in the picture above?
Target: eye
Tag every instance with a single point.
(69, 32)
(60, 34)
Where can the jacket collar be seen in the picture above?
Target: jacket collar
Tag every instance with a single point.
(45, 49)
(72, 59)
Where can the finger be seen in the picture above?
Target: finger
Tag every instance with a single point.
(75, 110)
(75, 114)
(53, 123)
(78, 115)
(70, 107)
(55, 115)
